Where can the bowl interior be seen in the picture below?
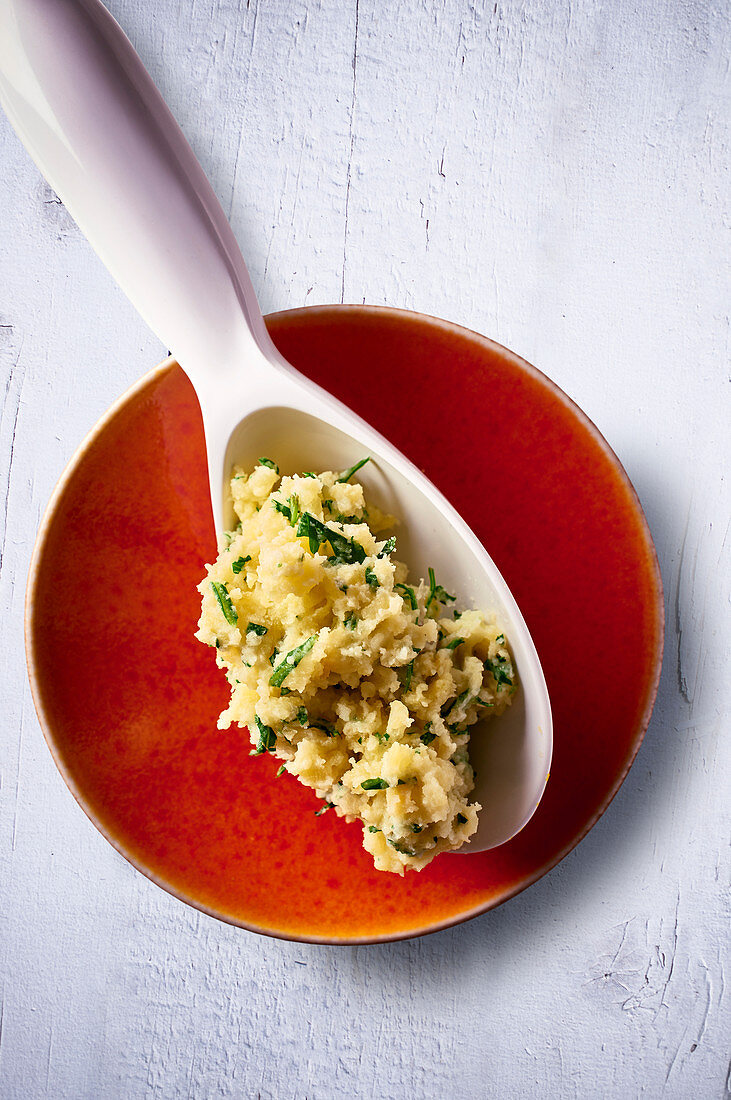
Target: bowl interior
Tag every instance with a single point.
(128, 699)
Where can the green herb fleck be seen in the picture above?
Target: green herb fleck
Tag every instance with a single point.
(408, 594)
(294, 508)
(283, 508)
(267, 737)
(374, 784)
(449, 707)
(302, 716)
(501, 669)
(373, 829)
(388, 547)
(371, 578)
(432, 589)
(349, 473)
(408, 672)
(290, 662)
(323, 809)
(268, 462)
(436, 592)
(256, 628)
(308, 473)
(427, 736)
(351, 621)
(281, 770)
(239, 564)
(326, 727)
(454, 643)
(381, 737)
(346, 551)
(400, 847)
(224, 602)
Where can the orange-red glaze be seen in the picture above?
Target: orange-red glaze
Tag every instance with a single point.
(132, 699)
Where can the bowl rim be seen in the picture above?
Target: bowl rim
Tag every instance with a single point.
(46, 722)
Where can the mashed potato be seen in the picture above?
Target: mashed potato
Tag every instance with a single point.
(364, 686)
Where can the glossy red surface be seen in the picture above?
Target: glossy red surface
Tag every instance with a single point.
(129, 699)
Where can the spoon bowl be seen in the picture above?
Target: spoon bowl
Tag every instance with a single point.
(511, 755)
(96, 125)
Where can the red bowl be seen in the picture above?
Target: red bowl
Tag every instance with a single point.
(128, 700)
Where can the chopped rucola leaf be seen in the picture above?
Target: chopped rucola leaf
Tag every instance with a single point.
(371, 578)
(345, 551)
(408, 594)
(302, 716)
(256, 628)
(374, 784)
(388, 547)
(400, 847)
(454, 643)
(327, 727)
(443, 596)
(268, 462)
(432, 589)
(290, 662)
(449, 707)
(283, 508)
(436, 592)
(350, 621)
(341, 518)
(239, 564)
(346, 476)
(267, 737)
(224, 602)
(501, 669)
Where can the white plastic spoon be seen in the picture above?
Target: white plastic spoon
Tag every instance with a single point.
(97, 127)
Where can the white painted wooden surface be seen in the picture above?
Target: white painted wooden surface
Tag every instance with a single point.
(554, 175)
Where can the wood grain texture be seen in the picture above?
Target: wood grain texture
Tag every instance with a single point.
(555, 176)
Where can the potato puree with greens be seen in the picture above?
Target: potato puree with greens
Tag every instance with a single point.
(363, 685)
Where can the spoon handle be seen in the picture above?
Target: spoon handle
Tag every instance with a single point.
(81, 100)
